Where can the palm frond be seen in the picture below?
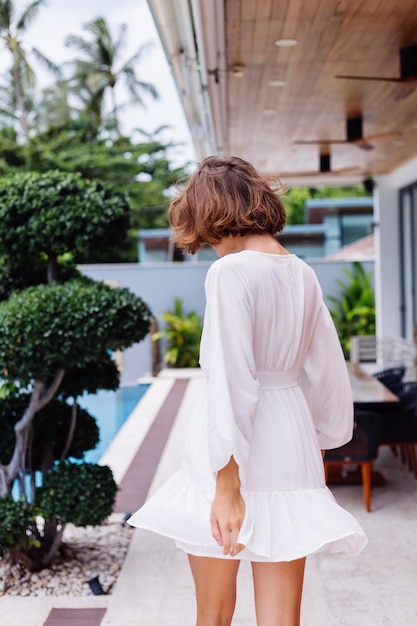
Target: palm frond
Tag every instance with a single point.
(47, 63)
(6, 14)
(75, 41)
(138, 55)
(29, 14)
(135, 85)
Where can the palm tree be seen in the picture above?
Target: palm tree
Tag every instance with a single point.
(98, 72)
(54, 109)
(23, 77)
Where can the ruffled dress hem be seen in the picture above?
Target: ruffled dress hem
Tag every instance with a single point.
(278, 525)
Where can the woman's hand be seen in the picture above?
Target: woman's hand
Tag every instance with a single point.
(228, 509)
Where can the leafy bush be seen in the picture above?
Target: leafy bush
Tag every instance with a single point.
(43, 325)
(15, 517)
(80, 493)
(183, 335)
(50, 430)
(58, 212)
(354, 311)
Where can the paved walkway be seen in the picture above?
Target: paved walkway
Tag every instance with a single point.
(155, 588)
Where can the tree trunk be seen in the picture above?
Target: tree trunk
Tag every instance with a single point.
(38, 558)
(54, 542)
(71, 431)
(155, 348)
(16, 467)
(47, 459)
(52, 269)
(19, 100)
(115, 114)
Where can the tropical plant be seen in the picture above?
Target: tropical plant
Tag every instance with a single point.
(353, 312)
(182, 334)
(99, 71)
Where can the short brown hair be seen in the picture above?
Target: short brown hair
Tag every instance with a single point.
(225, 197)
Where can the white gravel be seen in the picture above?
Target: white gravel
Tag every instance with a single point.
(85, 553)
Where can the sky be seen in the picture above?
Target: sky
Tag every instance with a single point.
(59, 18)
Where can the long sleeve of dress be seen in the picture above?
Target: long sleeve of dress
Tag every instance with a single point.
(228, 361)
(326, 385)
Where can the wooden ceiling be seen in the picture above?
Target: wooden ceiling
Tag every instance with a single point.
(335, 37)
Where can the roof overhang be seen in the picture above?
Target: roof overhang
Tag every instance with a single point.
(193, 53)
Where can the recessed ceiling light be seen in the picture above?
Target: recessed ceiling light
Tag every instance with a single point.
(238, 70)
(286, 42)
(269, 112)
(276, 83)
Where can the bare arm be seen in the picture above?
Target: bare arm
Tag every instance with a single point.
(228, 509)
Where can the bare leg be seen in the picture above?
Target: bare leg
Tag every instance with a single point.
(215, 586)
(278, 589)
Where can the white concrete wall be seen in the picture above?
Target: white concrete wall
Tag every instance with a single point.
(160, 283)
(387, 265)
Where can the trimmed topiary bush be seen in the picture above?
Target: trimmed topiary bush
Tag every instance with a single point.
(82, 494)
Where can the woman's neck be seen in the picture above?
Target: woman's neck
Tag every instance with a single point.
(260, 243)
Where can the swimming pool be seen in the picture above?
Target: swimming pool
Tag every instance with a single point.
(111, 409)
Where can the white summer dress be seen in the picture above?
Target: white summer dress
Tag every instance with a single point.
(277, 393)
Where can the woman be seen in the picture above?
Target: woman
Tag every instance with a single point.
(251, 485)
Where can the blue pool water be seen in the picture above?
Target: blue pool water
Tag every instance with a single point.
(111, 409)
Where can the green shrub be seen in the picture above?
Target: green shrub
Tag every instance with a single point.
(64, 325)
(81, 493)
(16, 517)
(50, 430)
(57, 212)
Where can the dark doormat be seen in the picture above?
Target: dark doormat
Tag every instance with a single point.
(75, 617)
(135, 484)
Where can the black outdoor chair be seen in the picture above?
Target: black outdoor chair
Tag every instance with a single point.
(391, 377)
(361, 450)
(398, 424)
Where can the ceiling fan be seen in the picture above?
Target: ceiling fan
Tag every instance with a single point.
(354, 135)
(324, 168)
(408, 72)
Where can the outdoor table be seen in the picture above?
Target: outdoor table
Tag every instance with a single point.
(367, 390)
